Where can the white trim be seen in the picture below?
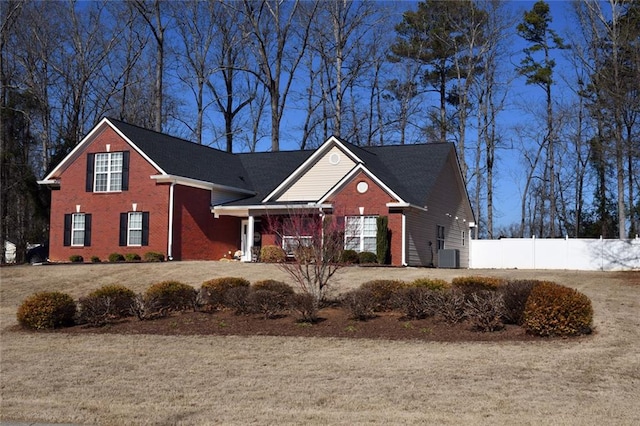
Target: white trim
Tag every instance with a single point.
(53, 182)
(243, 211)
(170, 225)
(404, 239)
(195, 183)
(407, 205)
(130, 228)
(303, 168)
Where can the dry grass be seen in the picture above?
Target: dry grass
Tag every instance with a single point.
(119, 379)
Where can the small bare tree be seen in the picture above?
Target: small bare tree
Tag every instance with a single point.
(314, 245)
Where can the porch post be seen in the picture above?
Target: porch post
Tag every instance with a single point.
(250, 232)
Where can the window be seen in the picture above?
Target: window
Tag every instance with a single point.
(134, 229)
(77, 229)
(464, 238)
(108, 172)
(440, 237)
(360, 233)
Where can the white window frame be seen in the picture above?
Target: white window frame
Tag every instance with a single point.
(357, 233)
(78, 228)
(110, 172)
(131, 228)
(440, 237)
(290, 243)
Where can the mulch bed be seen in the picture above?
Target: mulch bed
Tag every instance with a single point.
(334, 322)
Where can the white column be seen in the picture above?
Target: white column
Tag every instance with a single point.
(250, 233)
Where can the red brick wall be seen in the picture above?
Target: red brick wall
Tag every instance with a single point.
(105, 208)
(348, 200)
(197, 234)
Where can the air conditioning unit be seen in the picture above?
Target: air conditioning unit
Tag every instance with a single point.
(449, 258)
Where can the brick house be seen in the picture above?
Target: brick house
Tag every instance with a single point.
(126, 189)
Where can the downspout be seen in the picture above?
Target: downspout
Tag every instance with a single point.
(170, 228)
(404, 239)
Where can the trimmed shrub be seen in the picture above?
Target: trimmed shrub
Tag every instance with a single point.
(272, 254)
(367, 257)
(361, 303)
(213, 291)
(95, 311)
(349, 256)
(171, 296)
(122, 298)
(485, 309)
(418, 302)
(269, 303)
(236, 298)
(95, 259)
(76, 258)
(474, 284)
(153, 256)
(556, 310)
(273, 285)
(45, 310)
(305, 305)
(384, 292)
(132, 257)
(452, 306)
(515, 294)
(431, 283)
(116, 257)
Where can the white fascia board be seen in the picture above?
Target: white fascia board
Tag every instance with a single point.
(351, 174)
(51, 182)
(244, 210)
(320, 151)
(195, 183)
(407, 206)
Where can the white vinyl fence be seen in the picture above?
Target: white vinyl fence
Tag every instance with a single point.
(542, 253)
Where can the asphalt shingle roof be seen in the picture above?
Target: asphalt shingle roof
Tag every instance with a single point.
(410, 171)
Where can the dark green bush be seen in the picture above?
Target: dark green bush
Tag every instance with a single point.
(384, 292)
(47, 310)
(95, 259)
(213, 291)
(556, 310)
(361, 303)
(367, 257)
(349, 257)
(76, 258)
(515, 294)
(153, 256)
(171, 296)
(116, 257)
(485, 309)
(430, 283)
(132, 257)
(418, 302)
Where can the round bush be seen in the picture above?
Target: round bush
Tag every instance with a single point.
(515, 294)
(556, 310)
(95, 259)
(121, 296)
(153, 256)
(430, 283)
(272, 254)
(273, 285)
(47, 310)
(384, 292)
(76, 258)
(367, 257)
(214, 291)
(116, 257)
(171, 295)
(349, 256)
(361, 303)
(473, 284)
(132, 257)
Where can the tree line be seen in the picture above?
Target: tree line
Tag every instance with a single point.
(247, 75)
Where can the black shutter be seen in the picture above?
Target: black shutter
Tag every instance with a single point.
(123, 228)
(87, 230)
(145, 228)
(67, 229)
(90, 163)
(125, 170)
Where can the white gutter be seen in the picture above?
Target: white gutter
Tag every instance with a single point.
(407, 205)
(244, 210)
(198, 183)
(404, 240)
(170, 227)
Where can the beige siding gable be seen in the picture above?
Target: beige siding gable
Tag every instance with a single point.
(320, 177)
